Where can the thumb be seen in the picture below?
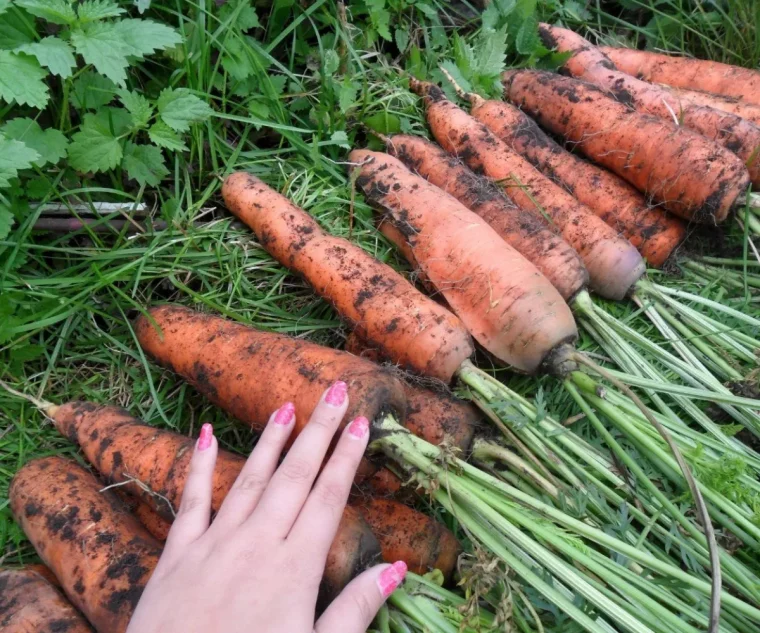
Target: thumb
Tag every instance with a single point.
(357, 605)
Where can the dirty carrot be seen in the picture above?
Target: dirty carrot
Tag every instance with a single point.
(734, 105)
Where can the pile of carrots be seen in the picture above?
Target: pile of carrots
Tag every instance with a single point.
(509, 231)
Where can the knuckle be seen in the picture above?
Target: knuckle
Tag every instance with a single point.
(296, 471)
(191, 504)
(251, 482)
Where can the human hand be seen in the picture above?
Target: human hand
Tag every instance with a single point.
(258, 566)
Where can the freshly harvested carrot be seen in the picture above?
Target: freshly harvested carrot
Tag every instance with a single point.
(653, 231)
(44, 571)
(522, 228)
(228, 361)
(156, 463)
(100, 553)
(30, 604)
(376, 300)
(684, 72)
(690, 175)
(411, 536)
(734, 105)
(394, 236)
(507, 305)
(384, 483)
(613, 263)
(150, 519)
(590, 64)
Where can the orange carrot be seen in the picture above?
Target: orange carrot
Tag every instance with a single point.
(411, 536)
(613, 263)
(30, 604)
(98, 551)
(653, 231)
(734, 105)
(508, 306)
(377, 301)
(590, 64)
(684, 72)
(522, 228)
(690, 175)
(150, 519)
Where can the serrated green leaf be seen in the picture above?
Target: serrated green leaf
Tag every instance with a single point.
(95, 147)
(245, 15)
(347, 94)
(457, 75)
(163, 136)
(93, 10)
(14, 156)
(6, 221)
(101, 45)
(402, 39)
(145, 164)
(53, 53)
(145, 37)
(278, 83)
(21, 80)
(142, 5)
(50, 144)
(247, 19)
(139, 107)
(340, 138)
(92, 91)
(491, 53)
(16, 29)
(330, 62)
(116, 120)
(55, 11)
(528, 40)
(380, 18)
(4, 6)
(179, 108)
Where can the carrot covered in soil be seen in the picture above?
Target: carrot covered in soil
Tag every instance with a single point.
(30, 604)
(653, 231)
(408, 535)
(685, 72)
(376, 300)
(522, 228)
(748, 111)
(690, 175)
(508, 306)
(99, 552)
(612, 262)
(590, 64)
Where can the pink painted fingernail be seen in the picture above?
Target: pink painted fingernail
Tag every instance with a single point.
(336, 395)
(358, 427)
(285, 414)
(204, 439)
(391, 577)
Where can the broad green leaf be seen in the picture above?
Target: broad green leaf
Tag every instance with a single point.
(491, 53)
(101, 45)
(457, 75)
(340, 138)
(6, 221)
(93, 10)
(145, 164)
(55, 11)
(402, 39)
(145, 37)
(163, 136)
(50, 144)
(330, 63)
(179, 108)
(92, 90)
(245, 15)
(4, 6)
(16, 29)
(139, 107)
(53, 53)
(247, 19)
(380, 18)
(383, 122)
(14, 155)
(21, 80)
(347, 94)
(117, 120)
(142, 5)
(528, 40)
(94, 147)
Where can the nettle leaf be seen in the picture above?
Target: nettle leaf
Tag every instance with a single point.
(491, 53)
(55, 11)
(142, 5)
(92, 90)
(14, 156)
(145, 37)
(21, 80)
(95, 147)
(528, 40)
(53, 53)
(402, 39)
(347, 94)
(4, 6)
(331, 62)
(457, 75)
(93, 10)
(16, 29)
(179, 108)
(101, 45)
(139, 107)
(163, 136)
(340, 138)
(50, 144)
(380, 18)
(145, 164)
(6, 221)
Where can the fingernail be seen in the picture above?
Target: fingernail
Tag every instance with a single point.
(285, 414)
(358, 427)
(391, 577)
(204, 439)
(336, 395)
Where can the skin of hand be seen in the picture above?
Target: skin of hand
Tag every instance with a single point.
(258, 566)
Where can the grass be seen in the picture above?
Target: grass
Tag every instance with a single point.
(66, 302)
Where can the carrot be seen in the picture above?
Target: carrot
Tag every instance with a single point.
(150, 519)
(684, 72)
(690, 175)
(384, 483)
(508, 306)
(98, 551)
(653, 231)
(394, 236)
(30, 604)
(156, 464)
(411, 536)
(590, 64)
(734, 105)
(612, 262)
(522, 228)
(44, 571)
(377, 301)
